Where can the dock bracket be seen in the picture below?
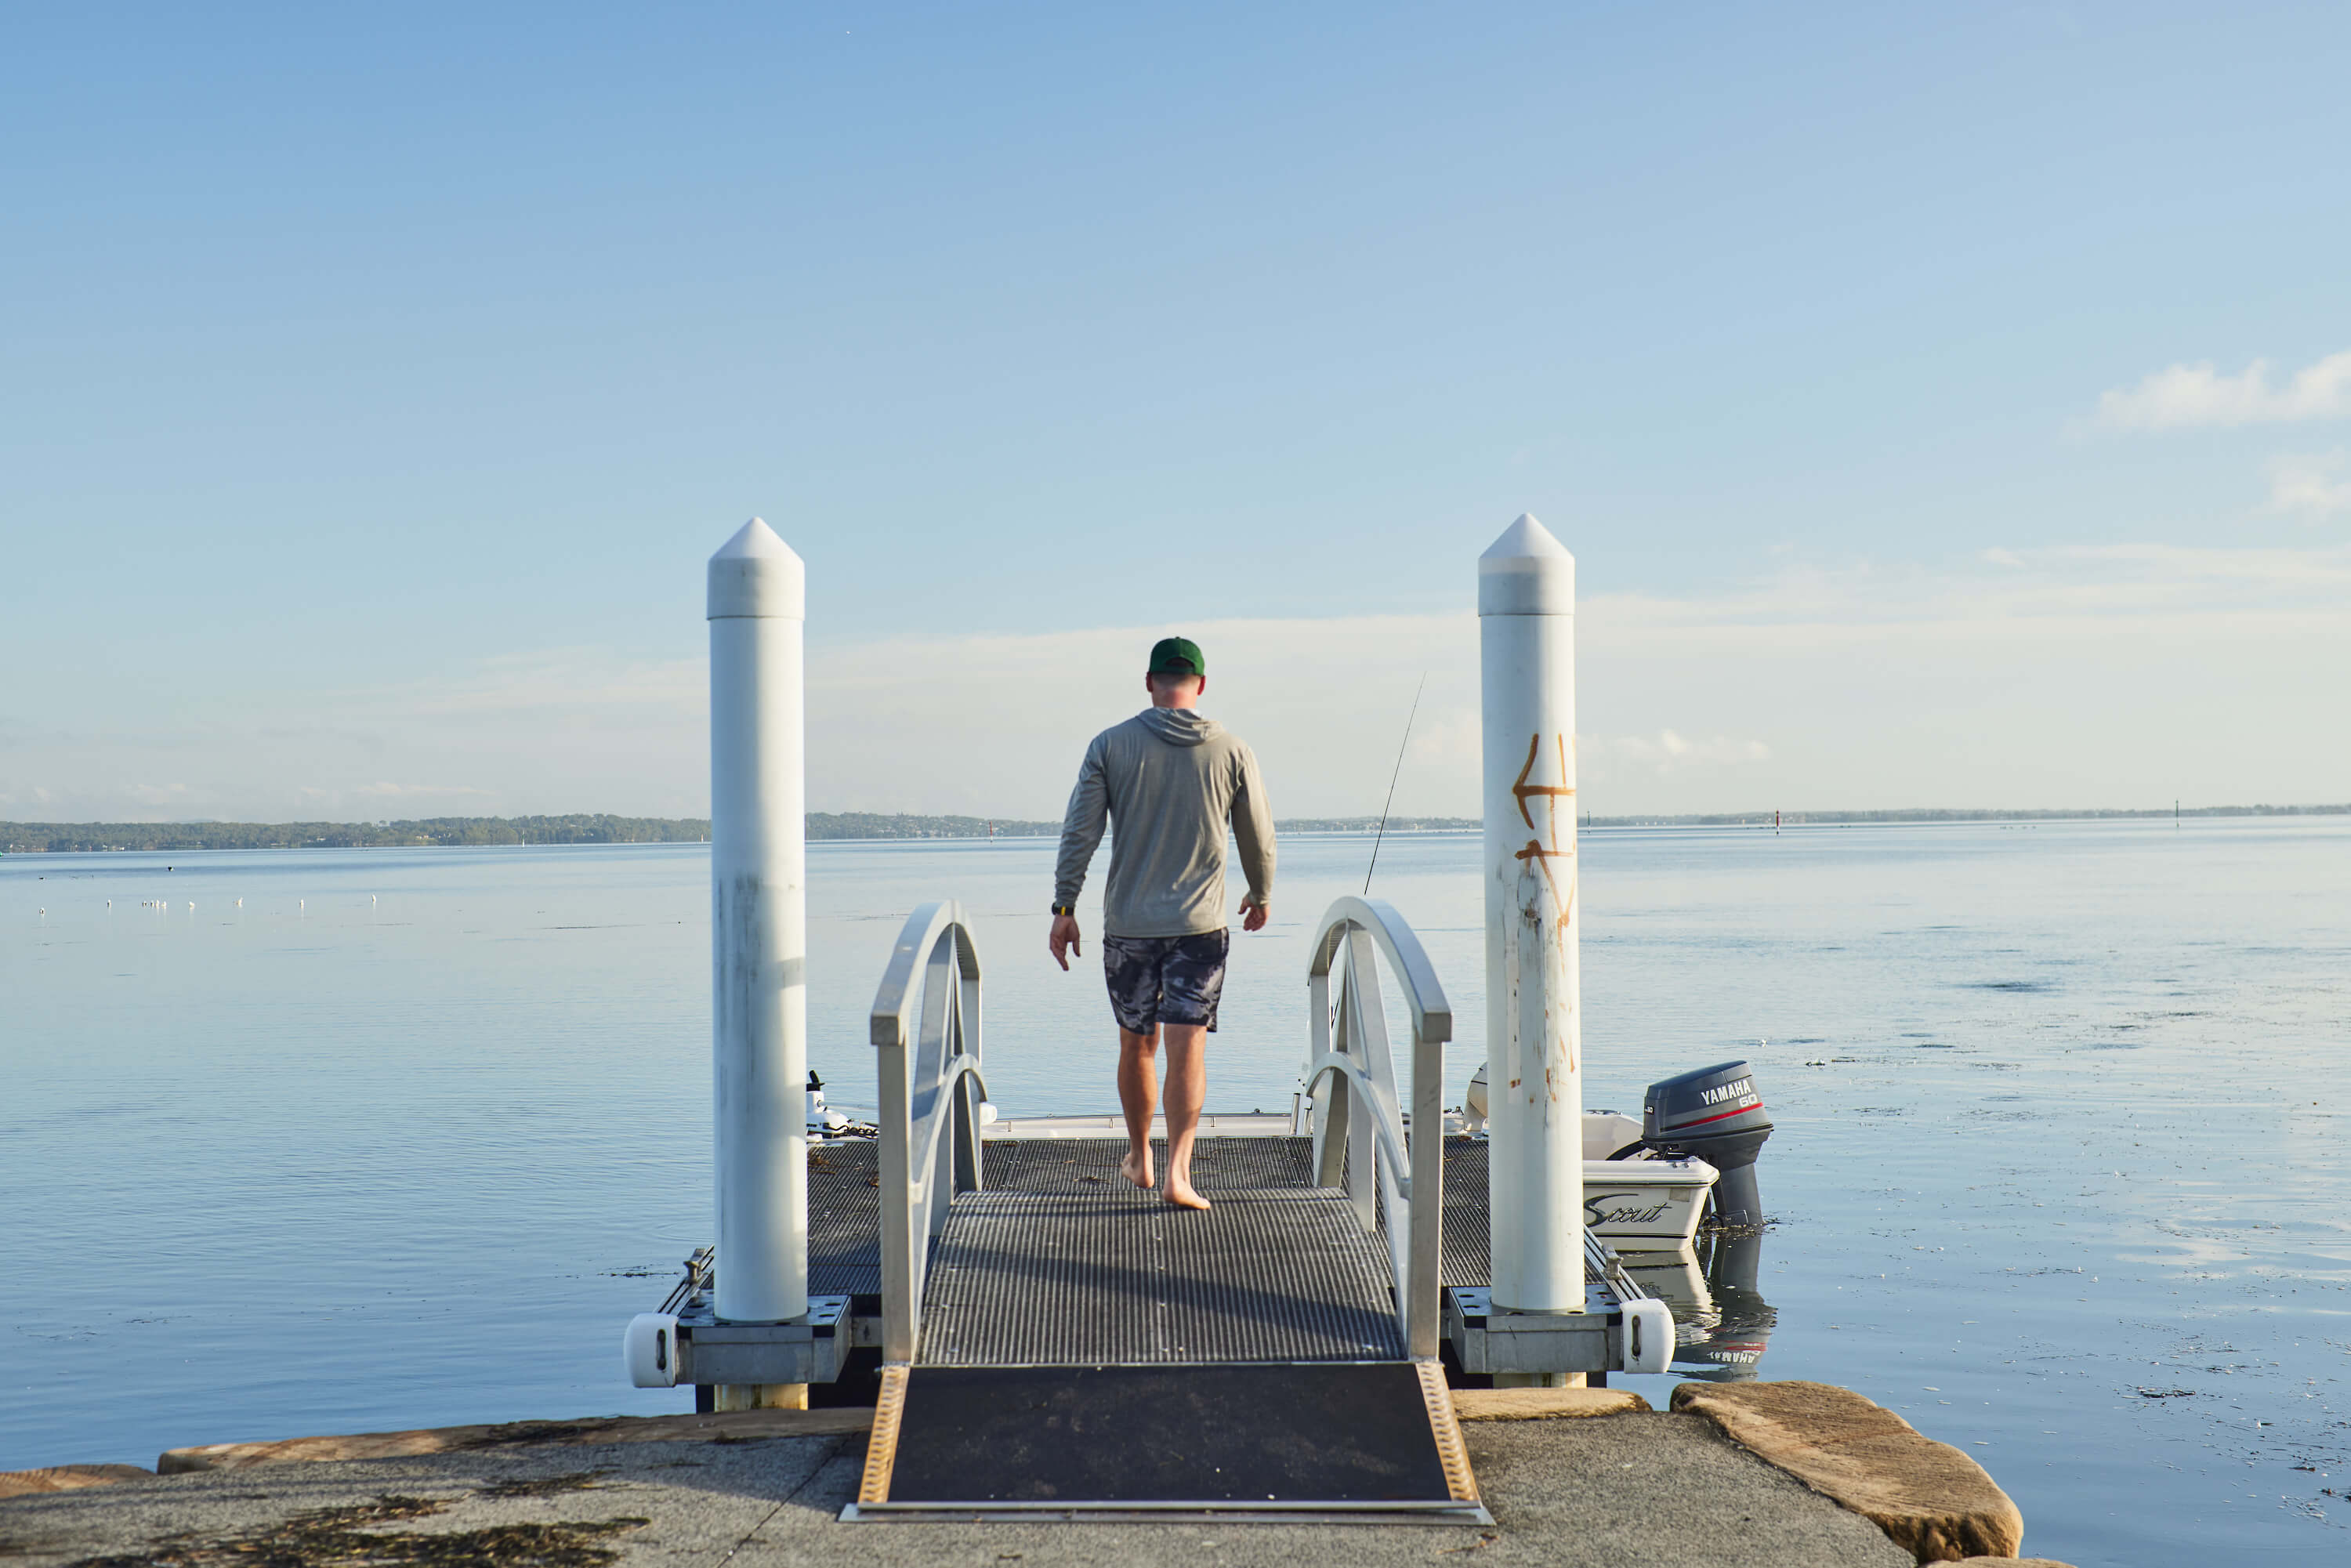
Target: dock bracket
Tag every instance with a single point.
(810, 1349)
(1630, 1334)
(1489, 1340)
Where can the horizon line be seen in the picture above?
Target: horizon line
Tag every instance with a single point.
(611, 828)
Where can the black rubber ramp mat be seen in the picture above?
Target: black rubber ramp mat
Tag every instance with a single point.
(1371, 1440)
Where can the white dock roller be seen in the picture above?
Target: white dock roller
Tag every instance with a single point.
(650, 1348)
(1648, 1336)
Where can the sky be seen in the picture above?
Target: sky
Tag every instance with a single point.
(1947, 405)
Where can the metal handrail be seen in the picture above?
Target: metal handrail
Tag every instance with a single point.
(1387, 1159)
(1432, 1014)
(1387, 1122)
(929, 1117)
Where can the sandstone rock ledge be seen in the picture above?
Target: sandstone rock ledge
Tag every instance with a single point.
(66, 1478)
(1929, 1497)
(1543, 1404)
(741, 1426)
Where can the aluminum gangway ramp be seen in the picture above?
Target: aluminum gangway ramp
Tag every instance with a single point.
(1059, 1345)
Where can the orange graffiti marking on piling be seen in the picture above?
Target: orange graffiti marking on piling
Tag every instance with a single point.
(1540, 853)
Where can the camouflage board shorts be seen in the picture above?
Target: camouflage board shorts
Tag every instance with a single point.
(1165, 980)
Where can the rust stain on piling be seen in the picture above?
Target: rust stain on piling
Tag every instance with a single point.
(1539, 853)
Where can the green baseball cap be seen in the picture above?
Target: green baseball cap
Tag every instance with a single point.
(1178, 656)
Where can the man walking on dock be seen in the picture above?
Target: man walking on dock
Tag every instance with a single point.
(1167, 780)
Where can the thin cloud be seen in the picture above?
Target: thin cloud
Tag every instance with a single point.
(2184, 396)
(387, 789)
(2053, 676)
(2083, 586)
(1669, 749)
(2307, 486)
(574, 682)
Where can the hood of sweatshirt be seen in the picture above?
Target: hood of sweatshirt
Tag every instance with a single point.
(1179, 726)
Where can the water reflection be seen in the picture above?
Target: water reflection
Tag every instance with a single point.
(1722, 1324)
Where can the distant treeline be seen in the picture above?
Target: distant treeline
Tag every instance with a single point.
(1797, 818)
(1942, 814)
(1366, 824)
(600, 827)
(82, 838)
(902, 825)
(594, 828)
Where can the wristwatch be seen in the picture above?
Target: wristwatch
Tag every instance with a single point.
(1069, 909)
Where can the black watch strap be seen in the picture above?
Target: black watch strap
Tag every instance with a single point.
(1070, 909)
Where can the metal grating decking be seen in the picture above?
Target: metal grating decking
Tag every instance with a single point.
(1081, 1164)
(1468, 1259)
(845, 1202)
(1037, 1279)
(844, 1212)
(1059, 1261)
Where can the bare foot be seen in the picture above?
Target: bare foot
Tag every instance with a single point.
(1136, 1168)
(1178, 1192)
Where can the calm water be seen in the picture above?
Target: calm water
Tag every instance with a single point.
(2059, 1171)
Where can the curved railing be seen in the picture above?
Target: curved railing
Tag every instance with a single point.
(925, 1033)
(1362, 1133)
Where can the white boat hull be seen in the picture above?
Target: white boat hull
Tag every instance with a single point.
(1646, 1206)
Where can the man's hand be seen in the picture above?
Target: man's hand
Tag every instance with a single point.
(1252, 915)
(1065, 940)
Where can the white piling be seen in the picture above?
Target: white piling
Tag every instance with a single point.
(1526, 610)
(759, 926)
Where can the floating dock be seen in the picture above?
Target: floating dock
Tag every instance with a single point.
(1055, 1341)
(1051, 1340)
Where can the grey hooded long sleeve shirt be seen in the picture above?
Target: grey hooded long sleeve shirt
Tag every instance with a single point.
(1167, 782)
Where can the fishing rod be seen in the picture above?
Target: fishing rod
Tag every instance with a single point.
(1391, 782)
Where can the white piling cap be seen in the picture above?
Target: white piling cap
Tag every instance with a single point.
(756, 575)
(1526, 572)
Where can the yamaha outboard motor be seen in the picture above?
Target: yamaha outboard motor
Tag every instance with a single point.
(1716, 1115)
